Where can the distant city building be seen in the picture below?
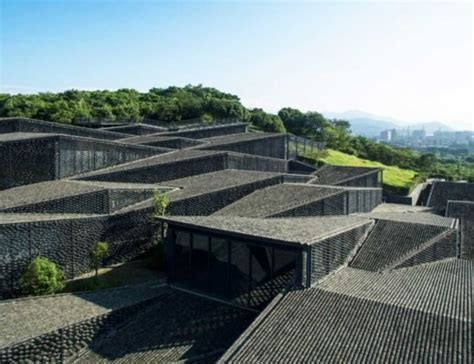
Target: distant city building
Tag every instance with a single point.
(418, 137)
(418, 134)
(386, 135)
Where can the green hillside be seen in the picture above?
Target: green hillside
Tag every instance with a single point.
(395, 179)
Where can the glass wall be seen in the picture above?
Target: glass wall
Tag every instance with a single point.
(246, 273)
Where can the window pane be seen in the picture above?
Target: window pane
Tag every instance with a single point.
(261, 275)
(239, 272)
(218, 266)
(200, 273)
(182, 254)
(284, 269)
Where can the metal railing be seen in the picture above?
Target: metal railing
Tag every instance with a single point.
(299, 146)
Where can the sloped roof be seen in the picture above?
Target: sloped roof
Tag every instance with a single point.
(274, 199)
(54, 190)
(237, 138)
(35, 125)
(442, 192)
(214, 181)
(10, 137)
(390, 241)
(299, 231)
(330, 174)
(136, 129)
(384, 321)
(170, 157)
(414, 217)
(19, 218)
(426, 287)
(43, 191)
(395, 207)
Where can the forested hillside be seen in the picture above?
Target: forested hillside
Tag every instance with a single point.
(190, 102)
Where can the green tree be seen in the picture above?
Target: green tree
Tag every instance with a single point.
(266, 122)
(160, 205)
(97, 254)
(41, 277)
(293, 120)
(426, 161)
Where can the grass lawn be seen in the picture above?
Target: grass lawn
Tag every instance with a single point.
(394, 178)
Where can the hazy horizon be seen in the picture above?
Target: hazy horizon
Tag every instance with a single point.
(408, 61)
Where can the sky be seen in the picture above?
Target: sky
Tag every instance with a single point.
(407, 60)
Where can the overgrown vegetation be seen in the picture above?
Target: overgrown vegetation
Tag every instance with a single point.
(41, 277)
(183, 103)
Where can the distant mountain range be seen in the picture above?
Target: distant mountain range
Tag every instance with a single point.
(370, 125)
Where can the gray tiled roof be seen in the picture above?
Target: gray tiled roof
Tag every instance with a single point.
(25, 318)
(214, 181)
(125, 185)
(201, 184)
(8, 137)
(377, 324)
(414, 217)
(390, 241)
(18, 218)
(53, 190)
(395, 207)
(330, 174)
(203, 128)
(43, 191)
(237, 138)
(149, 138)
(294, 230)
(169, 157)
(178, 327)
(136, 128)
(21, 123)
(433, 287)
(277, 198)
(442, 192)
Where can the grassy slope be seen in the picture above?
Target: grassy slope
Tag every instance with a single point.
(394, 178)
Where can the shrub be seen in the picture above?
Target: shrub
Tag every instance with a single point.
(97, 255)
(160, 203)
(41, 277)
